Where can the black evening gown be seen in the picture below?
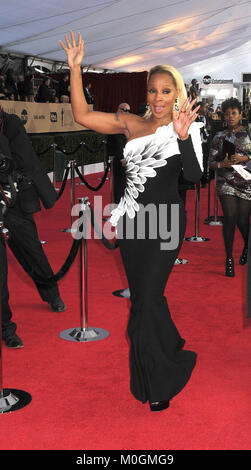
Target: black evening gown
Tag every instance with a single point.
(159, 366)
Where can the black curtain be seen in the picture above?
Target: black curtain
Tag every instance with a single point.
(112, 89)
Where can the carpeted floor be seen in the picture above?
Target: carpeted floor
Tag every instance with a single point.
(80, 391)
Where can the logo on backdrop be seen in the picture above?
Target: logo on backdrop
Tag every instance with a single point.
(24, 116)
(62, 117)
(53, 117)
(207, 79)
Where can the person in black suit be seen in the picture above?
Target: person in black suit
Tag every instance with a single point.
(44, 91)
(21, 88)
(63, 87)
(88, 95)
(33, 185)
(11, 83)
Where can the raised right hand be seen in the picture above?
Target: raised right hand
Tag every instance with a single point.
(74, 52)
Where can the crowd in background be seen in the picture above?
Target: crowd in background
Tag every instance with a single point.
(15, 89)
(47, 90)
(23, 88)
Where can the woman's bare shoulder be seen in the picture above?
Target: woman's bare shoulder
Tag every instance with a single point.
(136, 126)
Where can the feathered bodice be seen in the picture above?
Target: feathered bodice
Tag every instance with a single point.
(142, 155)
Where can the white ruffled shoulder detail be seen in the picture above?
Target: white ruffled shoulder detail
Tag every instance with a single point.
(141, 156)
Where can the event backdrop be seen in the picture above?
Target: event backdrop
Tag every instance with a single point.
(43, 117)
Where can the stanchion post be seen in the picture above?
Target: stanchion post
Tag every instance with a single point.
(82, 158)
(71, 164)
(82, 164)
(73, 197)
(10, 399)
(84, 333)
(105, 154)
(105, 159)
(208, 199)
(197, 237)
(111, 163)
(216, 220)
(54, 146)
(83, 203)
(208, 218)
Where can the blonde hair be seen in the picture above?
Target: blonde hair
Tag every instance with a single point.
(177, 80)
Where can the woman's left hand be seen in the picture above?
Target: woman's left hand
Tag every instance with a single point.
(183, 120)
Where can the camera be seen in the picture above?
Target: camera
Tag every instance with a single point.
(6, 165)
(28, 199)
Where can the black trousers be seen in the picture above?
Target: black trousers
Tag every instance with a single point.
(8, 326)
(26, 247)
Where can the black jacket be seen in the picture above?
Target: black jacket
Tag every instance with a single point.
(25, 159)
(44, 94)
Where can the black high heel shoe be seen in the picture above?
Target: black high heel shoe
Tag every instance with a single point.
(230, 267)
(244, 256)
(159, 406)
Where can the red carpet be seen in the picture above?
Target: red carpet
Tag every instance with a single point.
(80, 391)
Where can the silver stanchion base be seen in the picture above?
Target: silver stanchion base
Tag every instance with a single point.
(197, 239)
(12, 400)
(84, 335)
(215, 222)
(210, 219)
(69, 230)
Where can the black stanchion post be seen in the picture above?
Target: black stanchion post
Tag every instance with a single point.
(208, 202)
(105, 158)
(197, 237)
(72, 164)
(10, 399)
(82, 164)
(54, 146)
(215, 220)
(84, 333)
(111, 163)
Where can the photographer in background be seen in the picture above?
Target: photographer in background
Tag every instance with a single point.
(33, 185)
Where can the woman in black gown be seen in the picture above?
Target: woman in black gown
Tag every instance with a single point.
(158, 146)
